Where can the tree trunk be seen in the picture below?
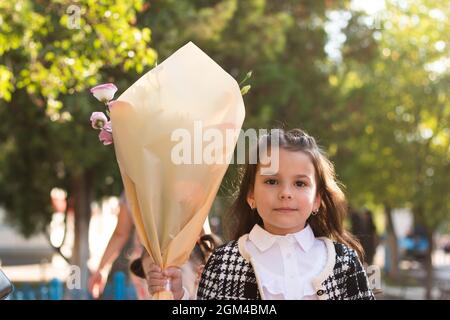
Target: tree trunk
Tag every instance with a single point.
(391, 245)
(429, 277)
(82, 195)
(420, 221)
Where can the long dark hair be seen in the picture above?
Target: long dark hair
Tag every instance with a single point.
(328, 222)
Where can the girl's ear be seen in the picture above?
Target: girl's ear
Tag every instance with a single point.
(251, 199)
(317, 202)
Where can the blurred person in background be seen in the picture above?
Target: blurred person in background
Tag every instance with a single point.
(123, 246)
(363, 227)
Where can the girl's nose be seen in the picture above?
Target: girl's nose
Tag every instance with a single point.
(285, 194)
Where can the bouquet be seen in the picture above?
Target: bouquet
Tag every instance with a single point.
(158, 126)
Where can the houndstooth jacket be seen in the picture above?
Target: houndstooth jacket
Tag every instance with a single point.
(229, 275)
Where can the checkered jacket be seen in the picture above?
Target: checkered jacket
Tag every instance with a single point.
(229, 276)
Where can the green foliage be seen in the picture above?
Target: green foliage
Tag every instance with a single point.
(398, 102)
(49, 59)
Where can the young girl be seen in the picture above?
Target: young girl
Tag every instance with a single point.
(289, 241)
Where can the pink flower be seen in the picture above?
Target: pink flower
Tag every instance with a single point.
(104, 92)
(108, 126)
(105, 136)
(98, 120)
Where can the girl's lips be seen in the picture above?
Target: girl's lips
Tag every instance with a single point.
(285, 209)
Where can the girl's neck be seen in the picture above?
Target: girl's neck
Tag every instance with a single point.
(282, 231)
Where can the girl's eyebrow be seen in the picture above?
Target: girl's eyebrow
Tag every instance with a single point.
(302, 176)
(276, 175)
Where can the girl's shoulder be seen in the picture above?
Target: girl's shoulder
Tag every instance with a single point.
(344, 253)
(224, 255)
(342, 249)
(227, 248)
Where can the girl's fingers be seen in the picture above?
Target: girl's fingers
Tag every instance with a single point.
(172, 272)
(156, 282)
(154, 289)
(155, 275)
(154, 268)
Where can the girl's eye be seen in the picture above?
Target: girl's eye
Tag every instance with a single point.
(270, 181)
(300, 184)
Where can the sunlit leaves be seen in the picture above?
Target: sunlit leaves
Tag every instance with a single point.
(60, 53)
(406, 111)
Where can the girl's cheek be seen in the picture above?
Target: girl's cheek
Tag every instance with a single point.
(307, 195)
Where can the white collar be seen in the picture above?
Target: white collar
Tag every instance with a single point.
(263, 240)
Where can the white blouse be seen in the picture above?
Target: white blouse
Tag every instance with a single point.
(286, 265)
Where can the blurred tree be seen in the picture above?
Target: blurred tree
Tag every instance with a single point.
(398, 100)
(51, 53)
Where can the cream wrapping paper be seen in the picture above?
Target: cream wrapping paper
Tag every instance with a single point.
(169, 201)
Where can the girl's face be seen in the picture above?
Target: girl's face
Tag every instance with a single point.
(285, 199)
